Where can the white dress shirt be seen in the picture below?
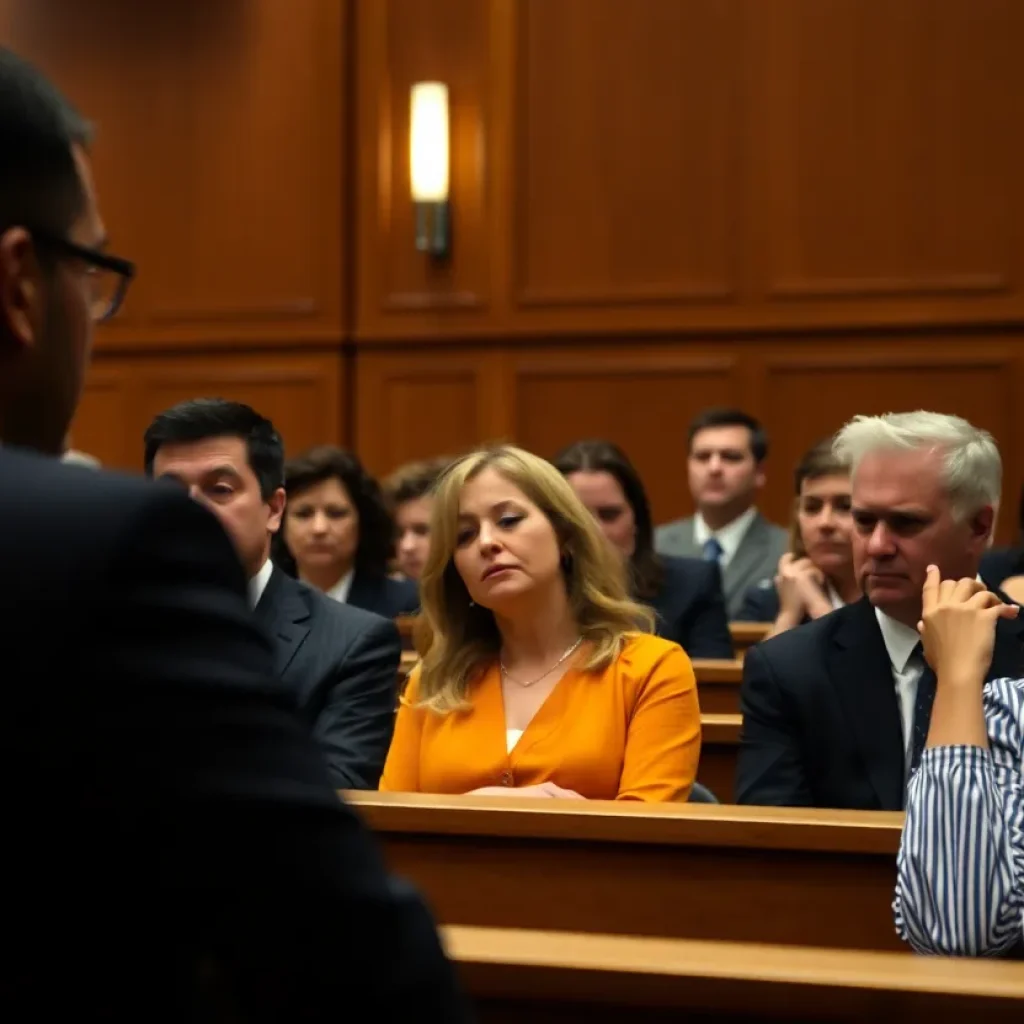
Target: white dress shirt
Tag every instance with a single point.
(259, 582)
(342, 588)
(729, 537)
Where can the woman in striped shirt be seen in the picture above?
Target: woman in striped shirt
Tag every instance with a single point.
(960, 889)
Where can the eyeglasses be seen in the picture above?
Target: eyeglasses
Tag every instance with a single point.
(109, 276)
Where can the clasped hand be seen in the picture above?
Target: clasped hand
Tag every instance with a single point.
(958, 627)
(801, 588)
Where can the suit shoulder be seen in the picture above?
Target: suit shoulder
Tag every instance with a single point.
(674, 526)
(804, 641)
(107, 504)
(346, 617)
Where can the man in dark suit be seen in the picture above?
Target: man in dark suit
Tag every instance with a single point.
(835, 712)
(174, 846)
(339, 662)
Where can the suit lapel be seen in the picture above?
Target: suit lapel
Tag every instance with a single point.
(860, 672)
(284, 613)
(742, 565)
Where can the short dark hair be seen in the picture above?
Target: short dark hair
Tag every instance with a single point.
(201, 418)
(414, 480)
(39, 182)
(599, 456)
(731, 418)
(817, 462)
(376, 527)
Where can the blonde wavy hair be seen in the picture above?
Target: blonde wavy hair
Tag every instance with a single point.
(457, 641)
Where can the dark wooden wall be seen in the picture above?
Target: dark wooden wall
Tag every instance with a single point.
(809, 208)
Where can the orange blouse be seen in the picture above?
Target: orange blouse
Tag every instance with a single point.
(630, 731)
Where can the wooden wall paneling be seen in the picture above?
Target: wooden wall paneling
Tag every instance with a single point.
(412, 405)
(401, 291)
(626, 157)
(300, 392)
(218, 159)
(810, 394)
(641, 398)
(887, 190)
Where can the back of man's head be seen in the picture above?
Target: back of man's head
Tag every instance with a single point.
(200, 419)
(39, 183)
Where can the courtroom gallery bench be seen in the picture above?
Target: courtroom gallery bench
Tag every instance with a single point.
(740, 874)
(516, 975)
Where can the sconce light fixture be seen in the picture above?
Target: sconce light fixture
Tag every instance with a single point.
(428, 163)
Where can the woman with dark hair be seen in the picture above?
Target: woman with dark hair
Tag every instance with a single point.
(337, 533)
(684, 593)
(816, 575)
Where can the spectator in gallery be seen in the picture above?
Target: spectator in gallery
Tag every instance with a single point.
(816, 575)
(338, 535)
(684, 593)
(409, 494)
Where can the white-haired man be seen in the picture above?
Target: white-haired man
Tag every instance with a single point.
(835, 713)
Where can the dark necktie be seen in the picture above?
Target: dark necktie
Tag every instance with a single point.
(712, 550)
(922, 710)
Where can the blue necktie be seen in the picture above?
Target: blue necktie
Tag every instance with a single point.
(712, 550)
(922, 711)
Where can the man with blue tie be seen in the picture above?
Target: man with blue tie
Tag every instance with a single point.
(836, 712)
(726, 462)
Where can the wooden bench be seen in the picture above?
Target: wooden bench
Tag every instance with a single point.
(718, 685)
(542, 977)
(746, 634)
(693, 871)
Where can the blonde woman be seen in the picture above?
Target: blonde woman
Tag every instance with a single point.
(536, 679)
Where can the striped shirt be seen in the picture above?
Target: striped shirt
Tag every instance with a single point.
(960, 887)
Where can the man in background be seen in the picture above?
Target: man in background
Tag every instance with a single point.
(726, 463)
(836, 712)
(339, 662)
(174, 846)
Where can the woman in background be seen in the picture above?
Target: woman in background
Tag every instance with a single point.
(536, 679)
(685, 593)
(816, 575)
(337, 534)
(409, 496)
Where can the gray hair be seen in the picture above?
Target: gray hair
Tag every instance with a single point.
(972, 467)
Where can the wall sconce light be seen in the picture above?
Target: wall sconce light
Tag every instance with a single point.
(428, 163)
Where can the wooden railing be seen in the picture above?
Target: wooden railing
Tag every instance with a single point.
(805, 877)
(546, 977)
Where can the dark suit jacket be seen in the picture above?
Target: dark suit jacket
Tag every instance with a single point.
(999, 564)
(691, 608)
(821, 721)
(383, 596)
(174, 843)
(342, 665)
(760, 604)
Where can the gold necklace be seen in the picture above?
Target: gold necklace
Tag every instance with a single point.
(568, 651)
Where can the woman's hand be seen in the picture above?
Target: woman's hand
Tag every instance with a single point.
(801, 588)
(544, 789)
(958, 628)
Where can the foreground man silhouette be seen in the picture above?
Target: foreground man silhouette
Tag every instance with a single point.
(173, 848)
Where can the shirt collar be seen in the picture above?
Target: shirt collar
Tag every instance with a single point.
(259, 582)
(900, 640)
(343, 587)
(729, 536)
